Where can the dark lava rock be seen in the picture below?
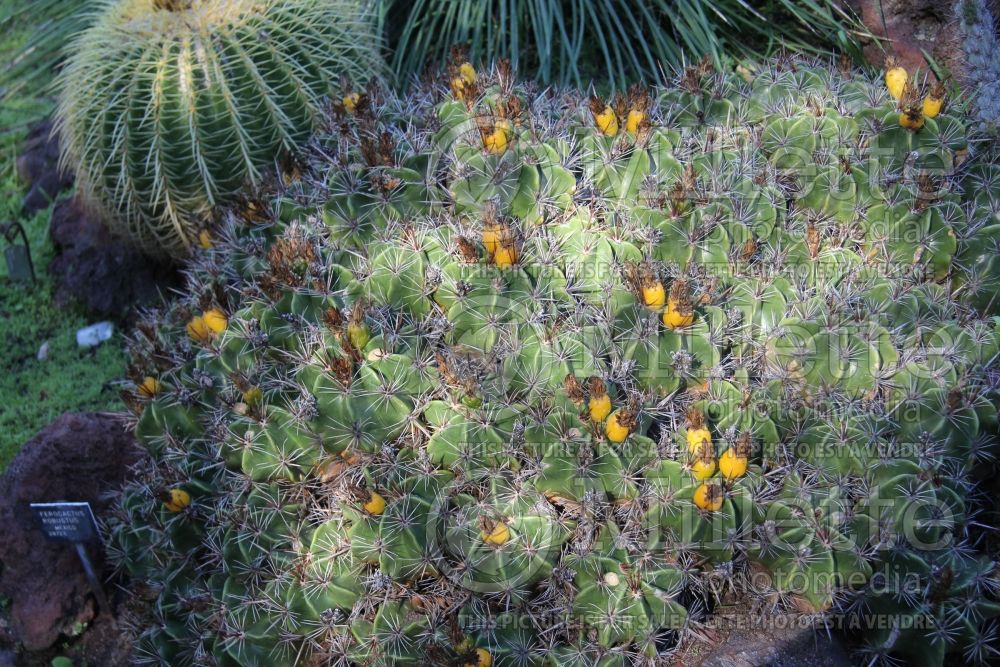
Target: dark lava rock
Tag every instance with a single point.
(101, 271)
(739, 639)
(38, 167)
(82, 457)
(909, 27)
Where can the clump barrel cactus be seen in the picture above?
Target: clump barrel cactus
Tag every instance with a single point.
(168, 107)
(514, 378)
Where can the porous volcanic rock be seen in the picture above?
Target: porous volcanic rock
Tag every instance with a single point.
(38, 168)
(101, 271)
(909, 28)
(79, 457)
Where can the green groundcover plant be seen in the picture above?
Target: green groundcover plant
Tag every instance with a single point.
(510, 378)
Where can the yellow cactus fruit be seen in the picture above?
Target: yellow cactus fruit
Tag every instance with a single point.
(467, 72)
(499, 240)
(505, 256)
(358, 334)
(375, 504)
(703, 463)
(495, 532)
(198, 330)
(708, 497)
(679, 312)
(654, 296)
(607, 121)
(497, 140)
(599, 404)
(653, 293)
(605, 118)
(483, 659)
(350, 102)
(149, 387)
(637, 102)
(895, 78)
(912, 115)
(634, 120)
(176, 500)
(619, 424)
(734, 461)
(253, 396)
(642, 279)
(215, 320)
(493, 232)
(205, 239)
(697, 433)
(934, 101)
(732, 465)
(911, 121)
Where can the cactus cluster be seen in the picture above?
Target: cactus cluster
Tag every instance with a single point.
(982, 59)
(511, 377)
(168, 107)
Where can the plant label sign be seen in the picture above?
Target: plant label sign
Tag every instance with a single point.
(66, 522)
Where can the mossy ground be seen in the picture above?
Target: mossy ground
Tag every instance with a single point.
(34, 392)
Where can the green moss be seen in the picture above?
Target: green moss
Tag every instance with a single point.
(33, 392)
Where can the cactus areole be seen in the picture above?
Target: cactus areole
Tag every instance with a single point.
(443, 404)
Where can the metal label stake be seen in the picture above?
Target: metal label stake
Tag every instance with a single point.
(75, 523)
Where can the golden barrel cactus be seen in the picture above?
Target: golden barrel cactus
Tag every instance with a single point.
(167, 107)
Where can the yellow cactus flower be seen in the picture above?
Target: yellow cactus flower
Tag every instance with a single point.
(634, 120)
(375, 504)
(215, 320)
(176, 500)
(599, 404)
(708, 497)
(350, 102)
(458, 88)
(205, 239)
(895, 78)
(149, 387)
(198, 330)
(498, 533)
